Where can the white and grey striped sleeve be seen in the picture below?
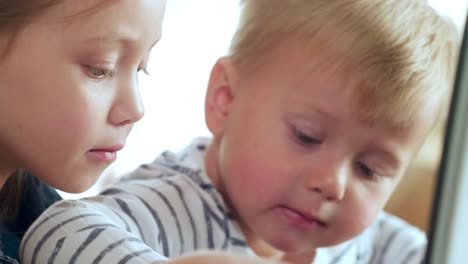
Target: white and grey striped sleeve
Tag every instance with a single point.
(103, 229)
(397, 242)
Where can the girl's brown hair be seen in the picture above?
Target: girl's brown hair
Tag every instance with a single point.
(14, 16)
(10, 196)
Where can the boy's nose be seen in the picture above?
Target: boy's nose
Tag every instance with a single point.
(329, 181)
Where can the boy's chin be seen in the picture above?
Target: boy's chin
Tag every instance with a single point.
(292, 245)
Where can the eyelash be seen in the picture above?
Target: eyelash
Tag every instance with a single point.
(367, 172)
(98, 73)
(305, 139)
(144, 70)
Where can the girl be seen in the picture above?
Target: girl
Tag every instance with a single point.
(68, 98)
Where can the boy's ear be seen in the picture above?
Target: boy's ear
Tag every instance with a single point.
(219, 96)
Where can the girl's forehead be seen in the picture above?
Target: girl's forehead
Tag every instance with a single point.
(108, 21)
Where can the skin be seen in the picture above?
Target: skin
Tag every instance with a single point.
(69, 90)
(203, 257)
(80, 95)
(295, 163)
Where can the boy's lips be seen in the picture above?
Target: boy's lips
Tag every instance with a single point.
(302, 218)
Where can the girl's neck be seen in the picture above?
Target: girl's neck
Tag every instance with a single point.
(4, 174)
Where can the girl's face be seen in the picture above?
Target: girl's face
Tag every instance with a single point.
(69, 90)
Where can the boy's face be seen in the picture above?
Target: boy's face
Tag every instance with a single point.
(68, 90)
(297, 166)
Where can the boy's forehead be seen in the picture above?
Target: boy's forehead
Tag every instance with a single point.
(374, 101)
(377, 104)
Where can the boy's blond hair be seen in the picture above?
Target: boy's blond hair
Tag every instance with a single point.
(403, 51)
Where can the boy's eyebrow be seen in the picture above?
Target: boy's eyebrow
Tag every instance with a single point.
(388, 155)
(317, 111)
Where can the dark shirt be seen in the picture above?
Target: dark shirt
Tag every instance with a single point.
(36, 197)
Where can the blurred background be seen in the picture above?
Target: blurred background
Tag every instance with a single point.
(195, 35)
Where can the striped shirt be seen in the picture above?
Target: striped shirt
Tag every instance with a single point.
(170, 207)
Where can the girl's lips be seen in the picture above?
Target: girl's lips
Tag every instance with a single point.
(109, 149)
(102, 156)
(107, 155)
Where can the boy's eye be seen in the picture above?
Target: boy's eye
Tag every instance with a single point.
(366, 171)
(98, 73)
(305, 139)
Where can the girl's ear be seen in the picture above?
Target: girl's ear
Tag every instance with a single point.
(219, 96)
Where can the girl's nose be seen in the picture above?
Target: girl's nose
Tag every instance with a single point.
(127, 107)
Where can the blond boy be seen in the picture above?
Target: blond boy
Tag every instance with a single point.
(315, 113)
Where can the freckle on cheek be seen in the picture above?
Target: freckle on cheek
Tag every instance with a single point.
(19, 127)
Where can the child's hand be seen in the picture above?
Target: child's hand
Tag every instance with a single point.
(207, 257)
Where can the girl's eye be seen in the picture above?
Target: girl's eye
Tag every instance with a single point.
(366, 171)
(98, 73)
(305, 139)
(144, 70)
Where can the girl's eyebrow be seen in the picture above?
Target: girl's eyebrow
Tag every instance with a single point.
(118, 39)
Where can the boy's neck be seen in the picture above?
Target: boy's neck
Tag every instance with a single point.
(261, 248)
(299, 258)
(211, 165)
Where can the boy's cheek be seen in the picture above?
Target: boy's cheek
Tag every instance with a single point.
(257, 176)
(357, 218)
(388, 188)
(365, 205)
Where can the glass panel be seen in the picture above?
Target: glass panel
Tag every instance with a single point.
(449, 229)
